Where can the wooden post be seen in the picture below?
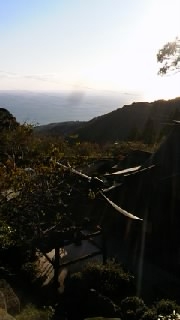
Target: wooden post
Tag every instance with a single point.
(104, 247)
(56, 267)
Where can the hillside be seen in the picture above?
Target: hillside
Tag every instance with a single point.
(122, 123)
(7, 120)
(60, 128)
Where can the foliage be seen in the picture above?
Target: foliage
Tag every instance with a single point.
(6, 234)
(86, 295)
(122, 148)
(36, 194)
(7, 121)
(166, 307)
(40, 203)
(29, 270)
(169, 56)
(110, 279)
(133, 308)
(150, 314)
(30, 312)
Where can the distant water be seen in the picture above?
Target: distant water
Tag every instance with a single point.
(43, 108)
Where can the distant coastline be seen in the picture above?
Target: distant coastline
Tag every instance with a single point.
(49, 107)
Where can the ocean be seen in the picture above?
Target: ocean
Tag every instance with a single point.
(41, 108)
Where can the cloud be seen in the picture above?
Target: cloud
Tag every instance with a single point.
(39, 77)
(7, 74)
(56, 80)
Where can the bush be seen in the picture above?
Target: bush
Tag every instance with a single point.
(29, 270)
(166, 307)
(111, 280)
(97, 290)
(149, 315)
(30, 312)
(133, 308)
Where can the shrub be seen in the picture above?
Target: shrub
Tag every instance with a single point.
(29, 270)
(166, 307)
(30, 312)
(149, 315)
(133, 308)
(110, 280)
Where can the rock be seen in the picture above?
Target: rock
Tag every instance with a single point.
(11, 301)
(5, 316)
(3, 304)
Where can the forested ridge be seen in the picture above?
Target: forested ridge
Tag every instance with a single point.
(143, 121)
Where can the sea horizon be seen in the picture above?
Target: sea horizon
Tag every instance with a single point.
(44, 107)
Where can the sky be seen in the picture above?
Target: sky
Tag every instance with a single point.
(94, 45)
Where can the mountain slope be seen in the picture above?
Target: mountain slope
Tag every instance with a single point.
(7, 120)
(59, 128)
(119, 124)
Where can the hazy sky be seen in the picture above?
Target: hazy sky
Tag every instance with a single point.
(87, 44)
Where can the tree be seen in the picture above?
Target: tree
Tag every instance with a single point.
(169, 56)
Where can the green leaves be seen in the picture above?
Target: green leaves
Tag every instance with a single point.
(169, 56)
(6, 235)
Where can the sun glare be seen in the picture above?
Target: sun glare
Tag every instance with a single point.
(165, 25)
